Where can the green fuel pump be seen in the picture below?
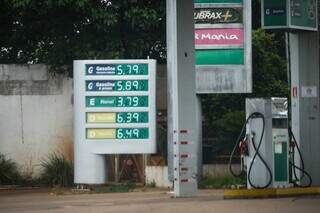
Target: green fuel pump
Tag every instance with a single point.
(267, 157)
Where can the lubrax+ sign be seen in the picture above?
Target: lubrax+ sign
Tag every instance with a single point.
(217, 15)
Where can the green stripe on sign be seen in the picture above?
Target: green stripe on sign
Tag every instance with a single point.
(219, 56)
(217, 1)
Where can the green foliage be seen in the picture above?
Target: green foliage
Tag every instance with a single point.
(57, 171)
(58, 32)
(220, 182)
(125, 187)
(224, 114)
(9, 173)
(269, 64)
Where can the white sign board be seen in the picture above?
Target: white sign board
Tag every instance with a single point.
(223, 49)
(115, 106)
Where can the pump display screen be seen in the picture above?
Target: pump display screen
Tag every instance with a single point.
(280, 123)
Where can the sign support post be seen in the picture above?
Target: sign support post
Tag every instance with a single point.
(182, 114)
(305, 107)
(300, 19)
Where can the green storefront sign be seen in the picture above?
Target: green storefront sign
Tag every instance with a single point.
(275, 13)
(289, 14)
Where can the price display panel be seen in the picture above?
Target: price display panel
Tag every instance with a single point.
(115, 106)
(117, 117)
(117, 69)
(118, 85)
(117, 101)
(118, 133)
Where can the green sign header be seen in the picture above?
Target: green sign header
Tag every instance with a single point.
(304, 13)
(289, 14)
(275, 13)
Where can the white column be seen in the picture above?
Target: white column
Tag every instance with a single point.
(304, 61)
(182, 114)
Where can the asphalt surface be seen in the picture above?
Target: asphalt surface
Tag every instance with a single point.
(155, 201)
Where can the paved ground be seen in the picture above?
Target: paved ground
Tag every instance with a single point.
(157, 201)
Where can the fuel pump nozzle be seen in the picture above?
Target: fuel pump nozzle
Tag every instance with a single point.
(297, 180)
(244, 151)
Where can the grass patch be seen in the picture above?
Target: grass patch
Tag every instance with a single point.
(9, 173)
(152, 184)
(122, 187)
(57, 171)
(220, 182)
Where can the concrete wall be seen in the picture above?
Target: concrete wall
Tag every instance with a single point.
(35, 115)
(159, 174)
(36, 119)
(218, 170)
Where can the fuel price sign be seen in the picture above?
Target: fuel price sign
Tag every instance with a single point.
(115, 109)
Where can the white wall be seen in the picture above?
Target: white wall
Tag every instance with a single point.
(35, 115)
(157, 175)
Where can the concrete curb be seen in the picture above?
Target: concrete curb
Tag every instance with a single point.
(269, 193)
